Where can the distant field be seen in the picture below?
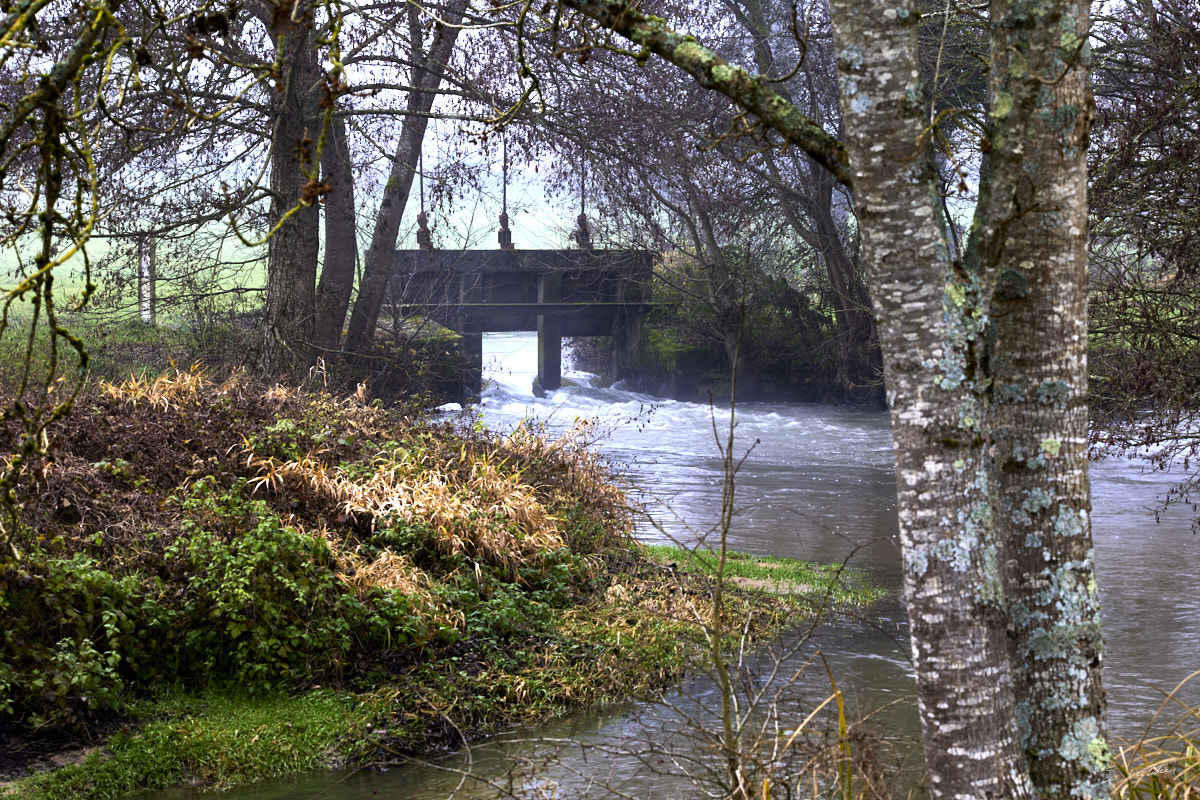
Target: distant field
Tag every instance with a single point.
(219, 278)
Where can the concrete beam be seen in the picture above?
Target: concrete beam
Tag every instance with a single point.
(447, 262)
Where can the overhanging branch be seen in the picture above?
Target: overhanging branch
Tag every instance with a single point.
(753, 93)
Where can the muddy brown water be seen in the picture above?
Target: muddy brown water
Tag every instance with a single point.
(817, 484)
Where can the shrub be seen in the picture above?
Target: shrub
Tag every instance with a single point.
(239, 535)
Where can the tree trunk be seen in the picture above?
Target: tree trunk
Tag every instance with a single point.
(293, 250)
(985, 367)
(927, 322)
(377, 271)
(1031, 233)
(341, 241)
(859, 346)
(722, 285)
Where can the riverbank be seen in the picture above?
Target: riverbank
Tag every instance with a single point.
(374, 582)
(627, 643)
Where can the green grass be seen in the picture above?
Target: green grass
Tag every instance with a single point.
(218, 738)
(842, 585)
(120, 346)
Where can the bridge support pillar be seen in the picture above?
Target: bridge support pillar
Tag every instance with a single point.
(626, 345)
(472, 347)
(549, 328)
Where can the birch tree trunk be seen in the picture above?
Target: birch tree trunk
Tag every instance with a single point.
(929, 324)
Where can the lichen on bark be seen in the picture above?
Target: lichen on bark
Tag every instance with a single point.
(985, 374)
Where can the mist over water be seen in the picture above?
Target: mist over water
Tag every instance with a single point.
(817, 483)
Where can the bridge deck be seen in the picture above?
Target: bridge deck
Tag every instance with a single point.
(555, 292)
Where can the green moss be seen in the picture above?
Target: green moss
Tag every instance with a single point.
(1002, 106)
(722, 73)
(662, 349)
(1084, 744)
(215, 738)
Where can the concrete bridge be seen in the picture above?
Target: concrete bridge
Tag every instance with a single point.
(558, 293)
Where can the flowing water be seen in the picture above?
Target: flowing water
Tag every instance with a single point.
(816, 483)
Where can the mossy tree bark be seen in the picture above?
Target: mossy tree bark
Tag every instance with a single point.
(1030, 237)
(929, 323)
(341, 241)
(293, 250)
(984, 362)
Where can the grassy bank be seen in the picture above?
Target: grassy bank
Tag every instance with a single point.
(223, 580)
(208, 737)
(811, 585)
(630, 640)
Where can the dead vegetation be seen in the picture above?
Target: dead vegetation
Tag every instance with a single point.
(281, 537)
(340, 465)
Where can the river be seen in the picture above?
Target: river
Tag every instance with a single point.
(818, 484)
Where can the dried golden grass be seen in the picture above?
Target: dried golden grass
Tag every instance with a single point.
(488, 516)
(569, 469)
(393, 572)
(162, 392)
(1163, 767)
(388, 571)
(485, 499)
